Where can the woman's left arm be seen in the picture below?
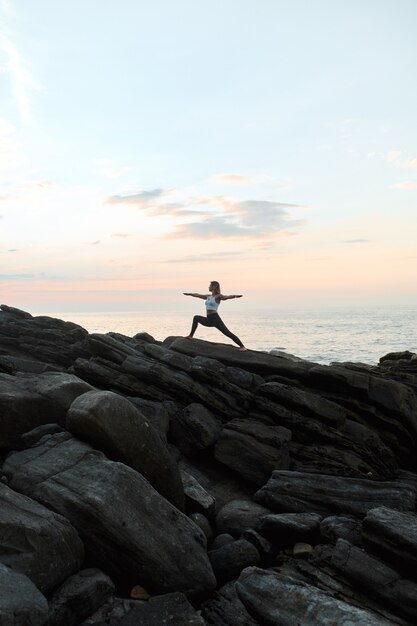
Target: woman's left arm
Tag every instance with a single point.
(222, 297)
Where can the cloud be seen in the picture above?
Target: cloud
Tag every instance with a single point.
(394, 158)
(22, 81)
(405, 184)
(142, 199)
(206, 257)
(357, 241)
(43, 184)
(17, 276)
(94, 243)
(120, 235)
(236, 179)
(221, 217)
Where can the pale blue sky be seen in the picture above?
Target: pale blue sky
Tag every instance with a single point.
(158, 145)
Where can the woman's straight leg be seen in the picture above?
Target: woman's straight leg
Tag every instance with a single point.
(221, 326)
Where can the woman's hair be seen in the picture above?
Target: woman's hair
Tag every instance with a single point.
(216, 286)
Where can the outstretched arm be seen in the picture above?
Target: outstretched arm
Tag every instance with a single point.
(222, 297)
(195, 295)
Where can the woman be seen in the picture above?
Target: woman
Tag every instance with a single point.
(213, 318)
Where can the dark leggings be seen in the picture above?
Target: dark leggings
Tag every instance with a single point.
(215, 320)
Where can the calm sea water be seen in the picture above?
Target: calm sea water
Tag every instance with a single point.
(357, 334)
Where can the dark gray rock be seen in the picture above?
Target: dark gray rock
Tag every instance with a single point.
(29, 439)
(341, 527)
(197, 499)
(30, 400)
(21, 603)
(239, 515)
(393, 536)
(375, 577)
(202, 522)
(229, 560)
(285, 529)
(226, 609)
(272, 598)
(171, 609)
(300, 492)
(79, 597)
(159, 414)
(256, 362)
(194, 429)
(313, 405)
(111, 612)
(37, 542)
(221, 540)
(130, 529)
(263, 546)
(253, 449)
(112, 424)
(47, 340)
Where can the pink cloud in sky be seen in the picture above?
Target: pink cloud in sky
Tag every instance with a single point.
(405, 184)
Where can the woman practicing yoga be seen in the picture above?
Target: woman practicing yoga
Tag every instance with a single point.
(213, 318)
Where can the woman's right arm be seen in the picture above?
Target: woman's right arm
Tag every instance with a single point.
(195, 295)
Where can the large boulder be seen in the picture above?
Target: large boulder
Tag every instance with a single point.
(21, 603)
(112, 424)
(129, 528)
(29, 400)
(37, 542)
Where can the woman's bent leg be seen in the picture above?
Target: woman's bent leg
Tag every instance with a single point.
(198, 319)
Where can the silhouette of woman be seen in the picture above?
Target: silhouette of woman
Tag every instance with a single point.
(213, 319)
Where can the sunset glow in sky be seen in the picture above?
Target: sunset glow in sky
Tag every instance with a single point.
(147, 148)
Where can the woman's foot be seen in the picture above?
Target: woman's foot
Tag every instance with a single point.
(242, 349)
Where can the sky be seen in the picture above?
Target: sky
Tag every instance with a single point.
(147, 148)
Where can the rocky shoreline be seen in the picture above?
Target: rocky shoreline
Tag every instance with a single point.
(187, 483)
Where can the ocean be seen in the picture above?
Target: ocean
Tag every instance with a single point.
(348, 334)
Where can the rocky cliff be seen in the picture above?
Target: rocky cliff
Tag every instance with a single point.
(186, 483)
